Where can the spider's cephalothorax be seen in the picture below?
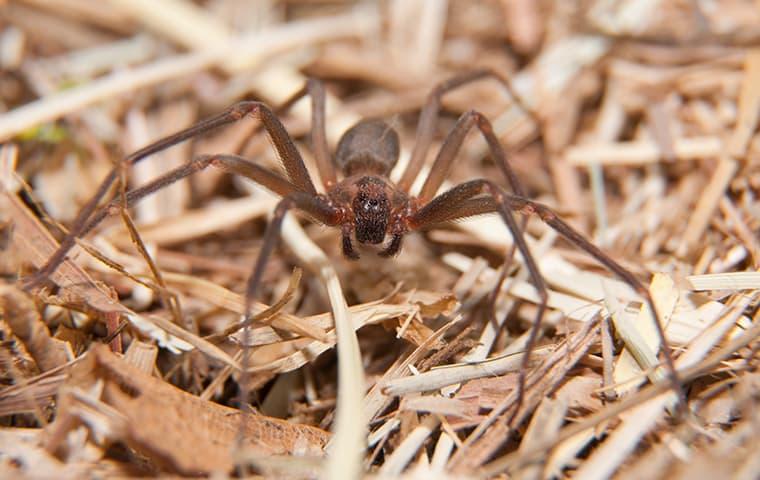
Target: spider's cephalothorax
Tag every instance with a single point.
(371, 210)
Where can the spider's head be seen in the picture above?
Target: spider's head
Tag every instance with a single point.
(372, 209)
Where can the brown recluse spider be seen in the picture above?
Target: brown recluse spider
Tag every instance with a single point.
(365, 204)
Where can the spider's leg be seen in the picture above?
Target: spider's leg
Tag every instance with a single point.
(426, 129)
(442, 208)
(316, 90)
(450, 149)
(282, 142)
(549, 217)
(318, 209)
(463, 201)
(444, 161)
(429, 115)
(230, 163)
(312, 204)
(460, 202)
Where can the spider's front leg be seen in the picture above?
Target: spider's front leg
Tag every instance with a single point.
(229, 163)
(462, 201)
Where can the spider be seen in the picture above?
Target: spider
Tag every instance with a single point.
(365, 204)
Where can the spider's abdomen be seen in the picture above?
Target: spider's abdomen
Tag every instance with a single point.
(370, 146)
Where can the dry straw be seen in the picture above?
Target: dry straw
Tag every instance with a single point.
(636, 121)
